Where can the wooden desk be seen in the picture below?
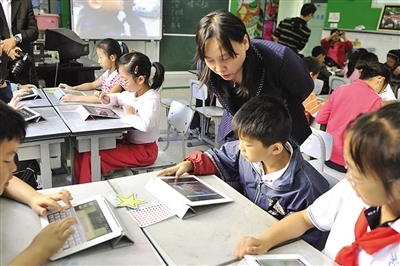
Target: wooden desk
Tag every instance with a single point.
(92, 135)
(70, 73)
(210, 237)
(43, 140)
(19, 225)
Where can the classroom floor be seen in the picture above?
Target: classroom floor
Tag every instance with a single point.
(62, 177)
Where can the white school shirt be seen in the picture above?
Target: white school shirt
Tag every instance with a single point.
(338, 210)
(109, 80)
(146, 120)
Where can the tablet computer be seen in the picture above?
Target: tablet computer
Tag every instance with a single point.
(94, 112)
(29, 114)
(33, 94)
(193, 191)
(96, 224)
(276, 260)
(59, 93)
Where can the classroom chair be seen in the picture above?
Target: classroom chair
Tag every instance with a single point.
(318, 86)
(213, 113)
(335, 81)
(319, 147)
(166, 103)
(179, 118)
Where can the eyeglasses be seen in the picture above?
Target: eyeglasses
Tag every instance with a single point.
(125, 82)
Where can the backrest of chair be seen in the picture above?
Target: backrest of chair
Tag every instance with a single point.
(328, 142)
(314, 146)
(197, 92)
(318, 85)
(180, 116)
(335, 81)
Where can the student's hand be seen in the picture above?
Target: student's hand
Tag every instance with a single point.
(128, 110)
(46, 243)
(15, 101)
(104, 98)
(65, 86)
(250, 245)
(177, 170)
(70, 98)
(40, 202)
(397, 71)
(27, 86)
(97, 93)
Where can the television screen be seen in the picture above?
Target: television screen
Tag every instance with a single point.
(118, 19)
(390, 18)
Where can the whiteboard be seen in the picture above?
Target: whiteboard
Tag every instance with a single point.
(381, 3)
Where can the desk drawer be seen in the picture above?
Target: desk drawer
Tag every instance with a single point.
(28, 151)
(105, 142)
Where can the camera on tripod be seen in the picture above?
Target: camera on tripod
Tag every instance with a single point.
(19, 65)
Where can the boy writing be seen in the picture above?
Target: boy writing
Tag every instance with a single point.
(264, 164)
(51, 238)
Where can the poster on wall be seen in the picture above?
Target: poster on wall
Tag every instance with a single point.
(390, 18)
(259, 17)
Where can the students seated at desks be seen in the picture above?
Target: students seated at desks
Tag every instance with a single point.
(393, 62)
(51, 238)
(362, 211)
(265, 164)
(311, 104)
(349, 71)
(347, 102)
(108, 51)
(140, 102)
(336, 49)
(319, 53)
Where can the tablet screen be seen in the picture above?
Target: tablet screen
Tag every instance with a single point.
(92, 220)
(192, 189)
(279, 262)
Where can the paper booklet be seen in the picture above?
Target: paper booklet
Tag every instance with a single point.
(59, 93)
(182, 194)
(94, 112)
(29, 114)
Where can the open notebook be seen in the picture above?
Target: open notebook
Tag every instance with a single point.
(97, 223)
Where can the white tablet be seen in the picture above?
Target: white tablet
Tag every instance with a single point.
(29, 114)
(33, 94)
(194, 191)
(276, 260)
(96, 224)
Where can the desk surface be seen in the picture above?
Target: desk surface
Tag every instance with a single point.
(209, 238)
(40, 101)
(19, 225)
(50, 128)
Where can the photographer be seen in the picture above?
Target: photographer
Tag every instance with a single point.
(20, 32)
(337, 46)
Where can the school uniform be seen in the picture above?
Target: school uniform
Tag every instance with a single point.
(138, 147)
(288, 190)
(338, 211)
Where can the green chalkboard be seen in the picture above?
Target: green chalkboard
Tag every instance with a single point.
(180, 17)
(177, 53)
(354, 13)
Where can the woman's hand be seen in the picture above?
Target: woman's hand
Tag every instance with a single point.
(39, 203)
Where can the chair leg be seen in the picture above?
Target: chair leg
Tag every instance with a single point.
(168, 137)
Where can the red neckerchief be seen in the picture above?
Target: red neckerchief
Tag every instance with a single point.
(370, 242)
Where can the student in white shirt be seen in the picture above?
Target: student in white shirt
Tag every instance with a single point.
(140, 102)
(362, 211)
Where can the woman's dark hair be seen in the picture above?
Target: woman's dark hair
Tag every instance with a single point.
(375, 144)
(113, 47)
(374, 69)
(138, 64)
(353, 59)
(225, 27)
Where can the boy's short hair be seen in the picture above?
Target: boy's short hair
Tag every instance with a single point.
(263, 118)
(317, 50)
(312, 64)
(308, 9)
(13, 124)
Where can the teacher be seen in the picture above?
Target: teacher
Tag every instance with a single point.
(236, 69)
